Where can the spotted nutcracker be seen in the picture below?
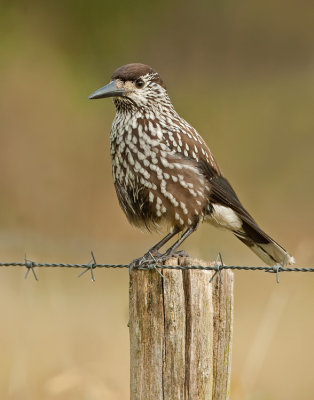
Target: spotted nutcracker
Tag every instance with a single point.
(165, 174)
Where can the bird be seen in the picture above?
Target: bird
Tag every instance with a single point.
(164, 173)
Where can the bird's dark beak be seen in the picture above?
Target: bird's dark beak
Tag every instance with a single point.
(110, 90)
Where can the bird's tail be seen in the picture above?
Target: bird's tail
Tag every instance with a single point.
(266, 248)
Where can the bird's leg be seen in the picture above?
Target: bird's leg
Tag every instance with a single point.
(163, 241)
(171, 251)
(152, 253)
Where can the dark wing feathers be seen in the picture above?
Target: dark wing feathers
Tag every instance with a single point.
(222, 193)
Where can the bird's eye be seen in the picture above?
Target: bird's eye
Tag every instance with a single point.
(139, 83)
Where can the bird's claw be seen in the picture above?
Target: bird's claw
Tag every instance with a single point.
(154, 258)
(180, 253)
(145, 260)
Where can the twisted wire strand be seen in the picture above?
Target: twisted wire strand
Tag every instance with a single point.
(275, 269)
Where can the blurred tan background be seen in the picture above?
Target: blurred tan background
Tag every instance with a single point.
(243, 74)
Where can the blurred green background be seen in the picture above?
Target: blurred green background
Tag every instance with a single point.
(243, 74)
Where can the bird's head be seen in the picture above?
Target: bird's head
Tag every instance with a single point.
(134, 85)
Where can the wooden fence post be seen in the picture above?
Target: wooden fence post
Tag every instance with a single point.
(181, 333)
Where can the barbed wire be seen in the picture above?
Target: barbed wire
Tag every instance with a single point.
(92, 264)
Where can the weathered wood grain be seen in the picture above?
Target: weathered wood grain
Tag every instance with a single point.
(223, 329)
(146, 335)
(180, 334)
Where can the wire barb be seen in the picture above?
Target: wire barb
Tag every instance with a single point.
(154, 266)
(275, 269)
(92, 264)
(217, 268)
(29, 264)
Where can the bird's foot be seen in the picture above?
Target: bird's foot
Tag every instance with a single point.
(149, 258)
(169, 254)
(180, 253)
(155, 258)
